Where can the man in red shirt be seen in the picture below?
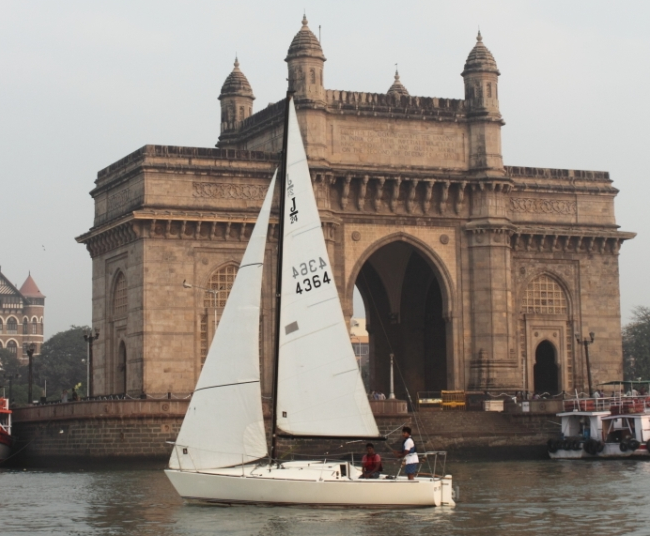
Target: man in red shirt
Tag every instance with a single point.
(371, 463)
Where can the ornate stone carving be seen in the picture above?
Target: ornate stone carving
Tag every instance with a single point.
(361, 202)
(428, 192)
(228, 190)
(345, 194)
(444, 197)
(411, 196)
(395, 195)
(378, 193)
(542, 206)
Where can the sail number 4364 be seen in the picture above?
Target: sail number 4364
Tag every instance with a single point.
(311, 281)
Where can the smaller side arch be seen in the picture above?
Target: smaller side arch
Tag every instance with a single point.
(557, 278)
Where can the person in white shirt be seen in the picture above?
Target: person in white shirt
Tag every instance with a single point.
(409, 454)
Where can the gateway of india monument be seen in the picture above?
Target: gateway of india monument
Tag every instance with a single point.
(476, 275)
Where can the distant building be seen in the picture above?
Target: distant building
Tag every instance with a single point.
(21, 316)
(361, 347)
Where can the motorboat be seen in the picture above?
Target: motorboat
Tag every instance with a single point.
(615, 427)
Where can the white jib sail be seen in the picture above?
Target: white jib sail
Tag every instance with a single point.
(224, 425)
(320, 391)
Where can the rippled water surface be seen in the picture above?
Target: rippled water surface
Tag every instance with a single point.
(497, 498)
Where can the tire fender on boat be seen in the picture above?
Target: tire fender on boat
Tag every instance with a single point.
(623, 446)
(552, 446)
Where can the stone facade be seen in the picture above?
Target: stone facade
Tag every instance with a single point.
(475, 274)
(21, 316)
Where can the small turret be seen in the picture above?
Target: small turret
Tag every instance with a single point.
(397, 89)
(481, 80)
(482, 105)
(305, 61)
(236, 99)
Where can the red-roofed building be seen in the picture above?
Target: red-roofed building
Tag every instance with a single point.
(21, 316)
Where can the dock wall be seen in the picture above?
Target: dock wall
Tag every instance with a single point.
(141, 429)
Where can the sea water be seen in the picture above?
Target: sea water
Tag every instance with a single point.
(544, 497)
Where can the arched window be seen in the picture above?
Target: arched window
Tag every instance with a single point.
(214, 302)
(12, 325)
(2, 327)
(12, 346)
(34, 326)
(119, 297)
(25, 326)
(544, 296)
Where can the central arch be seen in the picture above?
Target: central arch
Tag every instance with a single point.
(406, 301)
(546, 369)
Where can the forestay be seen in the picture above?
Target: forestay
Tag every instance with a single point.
(320, 392)
(224, 425)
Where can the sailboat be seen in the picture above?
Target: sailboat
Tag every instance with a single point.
(220, 454)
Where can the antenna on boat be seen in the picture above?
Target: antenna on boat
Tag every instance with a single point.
(278, 283)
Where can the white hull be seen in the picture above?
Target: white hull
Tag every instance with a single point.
(309, 483)
(610, 450)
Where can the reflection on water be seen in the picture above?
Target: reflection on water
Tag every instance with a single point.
(499, 498)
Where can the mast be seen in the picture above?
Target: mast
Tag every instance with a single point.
(278, 273)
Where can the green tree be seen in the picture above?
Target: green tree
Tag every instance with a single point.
(13, 378)
(62, 362)
(636, 345)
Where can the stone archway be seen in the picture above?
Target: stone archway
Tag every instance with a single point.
(405, 315)
(545, 370)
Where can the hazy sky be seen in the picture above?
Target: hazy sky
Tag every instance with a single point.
(83, 84)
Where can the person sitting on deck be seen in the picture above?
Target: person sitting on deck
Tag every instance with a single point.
(371, 463)
(409, 454)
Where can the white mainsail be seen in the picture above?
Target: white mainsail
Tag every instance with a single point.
(320, 392)
(224, 425)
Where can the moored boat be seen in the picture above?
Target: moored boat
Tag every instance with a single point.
(6, 440)
(616, 427)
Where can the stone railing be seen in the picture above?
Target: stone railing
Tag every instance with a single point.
(184, 152)
(372, 100)
(550, 173)
(100, 409)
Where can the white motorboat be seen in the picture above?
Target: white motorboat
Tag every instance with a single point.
(617, 427)
(220, 454)
(626, 435)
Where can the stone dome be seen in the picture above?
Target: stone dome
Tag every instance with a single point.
(480, 58)
(236, 84)
(397, 88)
(305, 43)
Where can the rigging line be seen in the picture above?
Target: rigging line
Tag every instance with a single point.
(250, 264)
(395, 361)
(225, 385)
(323, 301)
(305, 231)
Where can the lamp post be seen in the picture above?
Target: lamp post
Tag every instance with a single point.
(30, 354)
(586, 342)
(391, 395)
(10, 378)
(90, 338)
(214, 292)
